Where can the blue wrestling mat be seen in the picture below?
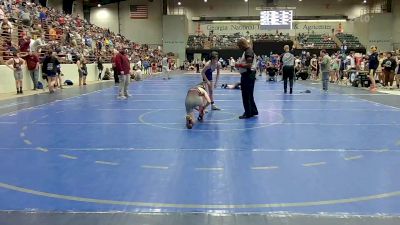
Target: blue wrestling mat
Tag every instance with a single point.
(305, 153)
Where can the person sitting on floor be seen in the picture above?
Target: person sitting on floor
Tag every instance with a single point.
(107, 74)
(137, 73)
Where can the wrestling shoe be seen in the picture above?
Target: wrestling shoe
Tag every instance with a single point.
(214, 107)
(201, 116)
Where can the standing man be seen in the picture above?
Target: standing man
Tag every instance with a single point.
(32, 62)
(325, 67)
(165, 67)
(122, 66)
(287, 62)
(307, 62)
(116, 75)
(247, 67)
(197, 63)
(232, 64)
(100, 67)
(389, 66)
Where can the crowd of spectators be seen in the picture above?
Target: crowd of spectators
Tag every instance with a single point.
(305, 41)
(345, 68)
(270, 37)
(349, 40)
(317, 41)
(37, 34)
(228, 41)
(29, 27)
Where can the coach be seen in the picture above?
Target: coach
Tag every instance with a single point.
(247, 68)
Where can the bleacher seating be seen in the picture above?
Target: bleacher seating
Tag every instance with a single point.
(270, 37)
(316, 41)
(71, 37)
(213, 41)
(229, 41)
(349, 40)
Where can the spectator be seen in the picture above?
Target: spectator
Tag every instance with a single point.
(389, 67)
(122, 67)
(107, 74)
(2, 15)
(82, 70)
(6, 28)
(43, 15)
(24, 44)
(36, 45)
(100, 66)
(32, 62)
(52, 33)
(114, 68)
(325, 68)
(25, 18)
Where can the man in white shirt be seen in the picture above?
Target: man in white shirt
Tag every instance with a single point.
(1, 13)
(165, 67)
(36, 44)
(232, 63)
(9, 28)
(350, 59)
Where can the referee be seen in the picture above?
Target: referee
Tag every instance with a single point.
(247, 68)
(287, 61)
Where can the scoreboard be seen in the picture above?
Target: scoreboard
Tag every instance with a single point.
(276, 19)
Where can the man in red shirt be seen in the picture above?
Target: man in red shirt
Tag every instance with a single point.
(24, 44)
(32, 62)
(61, 20)
(122, 67)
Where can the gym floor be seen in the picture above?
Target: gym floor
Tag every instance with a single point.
(311, 154)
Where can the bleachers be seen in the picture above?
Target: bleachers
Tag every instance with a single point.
(212, 41)
(349, 40)
(316, 41)
(68, 37)
(229, 41)
(312, 41)
(270, 37)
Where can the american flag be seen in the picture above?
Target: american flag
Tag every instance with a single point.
(138, 11)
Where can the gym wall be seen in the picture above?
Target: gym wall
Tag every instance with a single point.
(147, 31)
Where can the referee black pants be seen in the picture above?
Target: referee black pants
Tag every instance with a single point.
(288, 74)
(247, 81)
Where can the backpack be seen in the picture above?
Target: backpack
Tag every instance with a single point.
(39, 85)
(68, 82)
